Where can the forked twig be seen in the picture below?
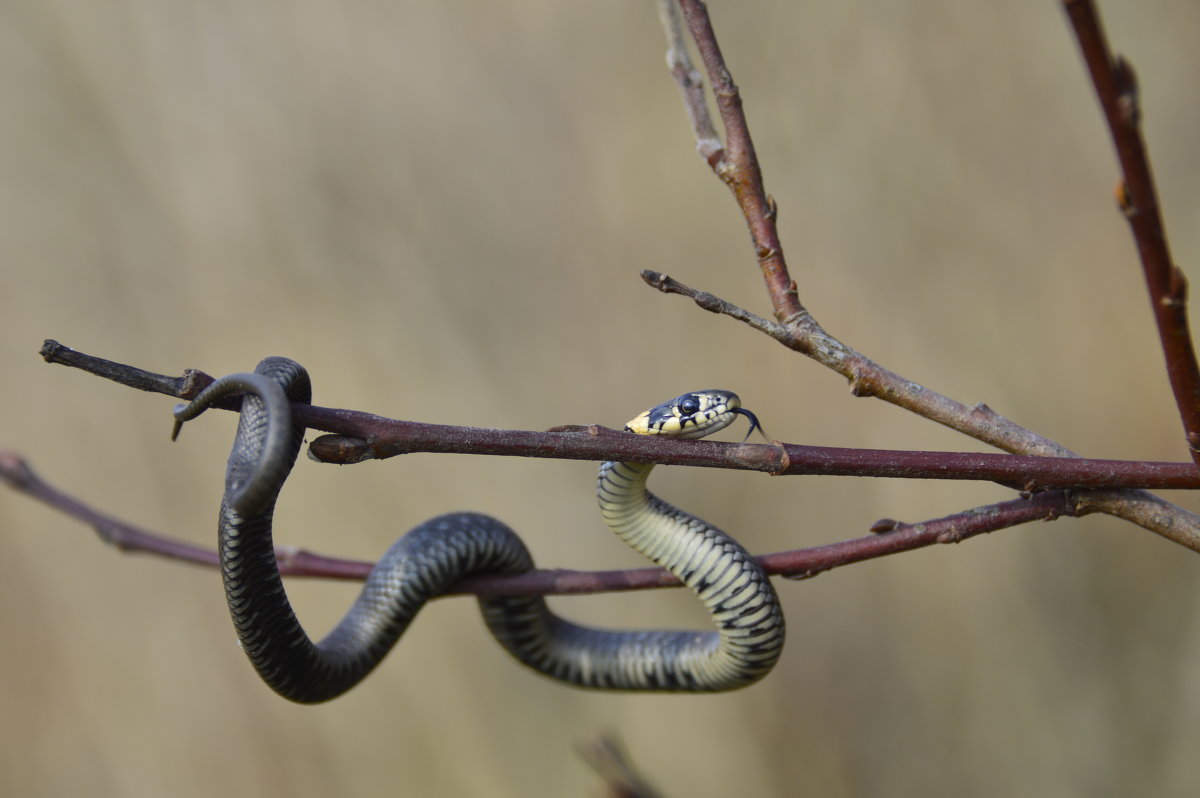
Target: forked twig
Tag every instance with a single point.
(798, 330)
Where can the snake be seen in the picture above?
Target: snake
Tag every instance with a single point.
(749, 626)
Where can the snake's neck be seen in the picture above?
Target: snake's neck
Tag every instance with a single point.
(642, 520)
(621, 488)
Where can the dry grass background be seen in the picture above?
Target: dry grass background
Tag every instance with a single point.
(441, 209)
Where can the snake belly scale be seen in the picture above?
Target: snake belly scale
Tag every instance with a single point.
(432, 556)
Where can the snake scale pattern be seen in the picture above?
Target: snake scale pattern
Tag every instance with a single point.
(745, 645)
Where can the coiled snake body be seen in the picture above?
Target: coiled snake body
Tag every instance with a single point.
(749, 622)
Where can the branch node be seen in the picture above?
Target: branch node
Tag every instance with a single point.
(578, 429)
(952, 534)
(802, 574)
(792, 321)
(1177, 289)
(50, 349)
(785, 462)
(342, 450)
(193, 382)
(767, 253)
(712, 151)
(15, 470)
(658, 280)
(861, 383)
(1124, 199)
(1128, 103)
(982, 410)
(710, 302)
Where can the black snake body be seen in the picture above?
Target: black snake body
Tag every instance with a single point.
(435, 554)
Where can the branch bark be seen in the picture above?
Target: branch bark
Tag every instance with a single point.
(798, 330)
(1117, 89)
(892, 537)
(362, 436)
(737, 165)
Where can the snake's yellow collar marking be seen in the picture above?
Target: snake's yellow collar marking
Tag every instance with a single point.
(692, 415)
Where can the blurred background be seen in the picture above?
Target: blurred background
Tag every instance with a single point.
(441, 210)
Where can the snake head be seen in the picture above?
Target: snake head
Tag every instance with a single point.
(693, 415)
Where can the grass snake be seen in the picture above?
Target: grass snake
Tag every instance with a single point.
(433, 555)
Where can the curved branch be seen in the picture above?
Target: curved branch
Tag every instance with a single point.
(892, 538)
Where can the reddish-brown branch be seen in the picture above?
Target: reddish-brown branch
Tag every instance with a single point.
(365, 436)
(1116, 88)
(796, 564)
(128, 538)
(738, 167)
(801, 332)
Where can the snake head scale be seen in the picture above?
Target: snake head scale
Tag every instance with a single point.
(693, 415)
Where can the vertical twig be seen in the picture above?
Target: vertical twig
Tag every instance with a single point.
(739, 169)
(691, 84)
(1116, 87)
(611, 762)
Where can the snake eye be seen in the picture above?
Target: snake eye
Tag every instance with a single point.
(690, 405)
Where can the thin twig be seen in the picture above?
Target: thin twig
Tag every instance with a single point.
(691, 84)
(891, 537)
(126, 537)
(1116, 88)
(868, 378)
(187, 386)
(739, 169)
(54, 352)
(611, 762)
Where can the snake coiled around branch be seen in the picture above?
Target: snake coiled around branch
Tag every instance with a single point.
(430, 557)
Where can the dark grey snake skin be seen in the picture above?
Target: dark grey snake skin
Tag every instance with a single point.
(425, 561)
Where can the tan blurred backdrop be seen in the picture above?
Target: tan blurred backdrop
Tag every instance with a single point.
(441, 210)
